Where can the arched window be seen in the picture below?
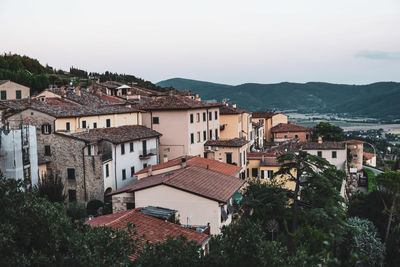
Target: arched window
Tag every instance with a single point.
(46, 128)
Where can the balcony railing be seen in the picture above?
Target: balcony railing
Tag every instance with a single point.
(148, 153)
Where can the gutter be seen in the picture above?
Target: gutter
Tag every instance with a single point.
(84, 173)
(115, 167)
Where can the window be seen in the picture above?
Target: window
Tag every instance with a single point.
(46, 129)
(319, 154)
(83, 124)
(198, 117)
(47, 151)
(248, 172)
(334, 154)
(107, 171)
(71, 173)
(132, 171)
(108, 123)
(296, 136)
(285, 136)
(216, 115)
(224, 216)
(3, 95)
(191, 118)
(262, 174)
(210, 134)
(68, 126)
(254, 172)
(144, 147)
(72, 195)
(131, 146)
(124, 91)
(89, 150)
(355, 156)
(307, 136)
(210, 116)
(94, 125)
(144, 165)
(270, 174)
(229, 158)
(156, 120)
(240, 159)
(192, 138)
(18, 94)
(122, 149)
(216, 134)
(204, 116)
(123, 174)
(204, 135)
(198, 137)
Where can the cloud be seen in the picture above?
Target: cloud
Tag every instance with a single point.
(382, 55)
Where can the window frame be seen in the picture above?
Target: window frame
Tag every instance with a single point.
(123, 174)
(192, 138)
(71, 175)
(191, 118)
(84, 124)
(108, 123)
(131, 147)
(334, 154)
(122, 149)
(47, 150)
(18, 94)
(156, 120)
(319, 154)
(72, 195)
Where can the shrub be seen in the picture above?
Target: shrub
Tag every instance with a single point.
(371, 180)
(93, 205)
(76, 211)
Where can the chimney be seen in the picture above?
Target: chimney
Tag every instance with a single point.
(234, 105)
(319, 139)
(165, 158)
(62, 89)
(183, 162)
(149, 170)
(78, 90)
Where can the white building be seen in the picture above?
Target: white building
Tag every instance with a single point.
(201, 196)
(334, 152)
(18, 154)
(124, 151)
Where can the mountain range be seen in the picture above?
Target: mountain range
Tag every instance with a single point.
(377, 100)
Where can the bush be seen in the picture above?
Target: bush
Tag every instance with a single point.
(93, 205)
(76, 211)
(371, 180)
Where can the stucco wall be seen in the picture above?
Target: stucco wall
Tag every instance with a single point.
(220, 155)
(192, 209)
(339, 161)
(232, 126)
(302, 136)
(11, 89)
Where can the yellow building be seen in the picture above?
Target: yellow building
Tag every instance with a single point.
(10, 90)
(269, 119)
(236, 123)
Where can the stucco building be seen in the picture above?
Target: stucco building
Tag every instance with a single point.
(10, 90)
(269, 119)
(287, 131)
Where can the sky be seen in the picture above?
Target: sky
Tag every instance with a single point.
(232, 42)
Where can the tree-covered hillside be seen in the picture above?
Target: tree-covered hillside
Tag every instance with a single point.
(374, 100)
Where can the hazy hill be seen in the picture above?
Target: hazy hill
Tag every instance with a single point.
(380, 100)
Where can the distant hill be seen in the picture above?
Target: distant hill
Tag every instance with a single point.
(377, 100)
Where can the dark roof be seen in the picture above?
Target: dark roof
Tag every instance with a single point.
(200, 181)
(148, 228)
(235, 142)
(323, 146)
(289, 127)
(228, 110)
(175, 103)
(264, 114)
(117, 135)
(211, 164)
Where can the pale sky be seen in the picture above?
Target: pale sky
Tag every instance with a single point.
(233, 42)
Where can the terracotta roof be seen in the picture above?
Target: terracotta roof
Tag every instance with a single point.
(235, 142)
(323, 146)
(175, 103)
(270, 161)
(148, 228)
(264, 114)
(211, 164)
(258, 155)
(289, 127)
(117, 135)
(368, 156)
(204, 182)
(228, 110)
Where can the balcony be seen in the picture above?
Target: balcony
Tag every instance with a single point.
(148, 153)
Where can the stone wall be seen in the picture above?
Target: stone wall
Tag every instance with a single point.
(120, 201)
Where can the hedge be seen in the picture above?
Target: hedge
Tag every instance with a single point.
(371, 180)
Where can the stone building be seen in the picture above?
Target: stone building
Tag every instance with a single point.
(355, 151)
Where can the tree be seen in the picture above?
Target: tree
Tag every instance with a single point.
(36, 232)
(393, 248)
(328, 132)
(52, 188)
(362, 239)
(389, 182)
(299, 168)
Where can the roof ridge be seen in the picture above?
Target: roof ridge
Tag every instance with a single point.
(128, 212)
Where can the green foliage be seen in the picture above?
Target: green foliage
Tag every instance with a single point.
(78, 73)
(393, 248)
(93, 205)
(172, 252)
(362, 240)
(371, 179)
(328, 132)
(52, 188)
(76, 211)
(36, 232)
